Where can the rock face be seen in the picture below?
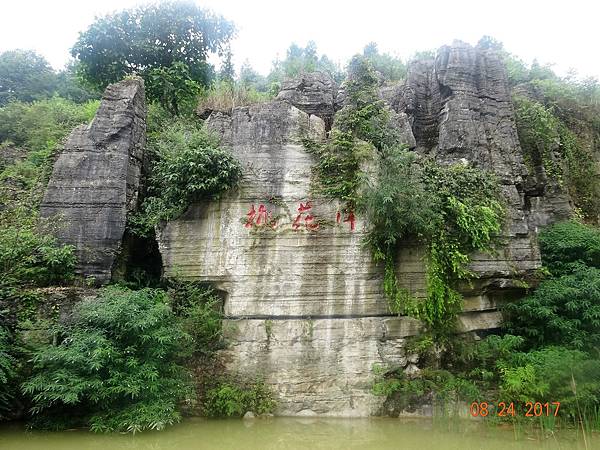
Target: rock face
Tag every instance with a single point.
(460, 108)
(95, 181)
(313, 93)
(303, 299)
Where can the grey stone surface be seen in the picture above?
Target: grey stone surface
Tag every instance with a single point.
(303, 300)
(305, 305)
(311, 92)
(95, 180)
(460, 108)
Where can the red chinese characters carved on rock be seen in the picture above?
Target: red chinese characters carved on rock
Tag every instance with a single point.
(261, 218)
(349, 219)
(304, 219)
(304, 216)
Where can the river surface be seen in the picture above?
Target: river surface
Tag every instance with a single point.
(299, 433)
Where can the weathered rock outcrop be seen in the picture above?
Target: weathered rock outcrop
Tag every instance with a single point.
(313, 93)
(304, 301)
(95, 181)
(461, 109)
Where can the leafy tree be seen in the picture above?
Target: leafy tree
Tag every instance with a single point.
(389, 67)
(250, 78)
(299, 59)
(490, 43)
(116, 368)
(25, 76)
(150, 37)
(70, 86)
(172, 87)
(517, 70)
(227, 72)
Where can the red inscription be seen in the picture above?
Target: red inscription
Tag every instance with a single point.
(351, 219)
(303, 216)
(262, 218)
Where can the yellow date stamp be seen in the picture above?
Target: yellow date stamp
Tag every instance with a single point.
(508, 409)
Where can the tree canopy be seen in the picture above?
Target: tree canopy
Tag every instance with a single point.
(390, 67)
(299, 59)
(151, 37)
(25, 76)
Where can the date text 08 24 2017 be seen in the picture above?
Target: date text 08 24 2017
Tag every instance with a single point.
(504, 409)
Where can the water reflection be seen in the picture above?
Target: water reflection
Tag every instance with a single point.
(299, 433)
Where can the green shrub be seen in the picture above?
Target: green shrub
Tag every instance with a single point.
(337, 173)
(43, 124)
(445, 387)
(561, 311)
(565, 309)
(538, 134)
(189, 166)
(567, 245)
(232, 399)
(7, 372)
(364, 114)
(363, 123)
(39, 128)
(29, 254)
(199, 308)
(548, 142)
(399, 204)
(116, 367)
(552, 374)
(453, 211)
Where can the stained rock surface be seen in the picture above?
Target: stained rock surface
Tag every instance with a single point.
(304, 301)
(313, 93)
(304, 304)
(95, 180)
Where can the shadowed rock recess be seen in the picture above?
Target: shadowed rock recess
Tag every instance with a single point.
(95, 181)
(304, 303)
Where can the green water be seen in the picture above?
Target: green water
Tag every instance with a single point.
(296, 433)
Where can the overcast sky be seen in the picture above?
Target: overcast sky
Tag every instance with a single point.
(565, 33)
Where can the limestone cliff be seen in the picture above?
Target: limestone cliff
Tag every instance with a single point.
(304, 302)
(304, 306)
(95, 181)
